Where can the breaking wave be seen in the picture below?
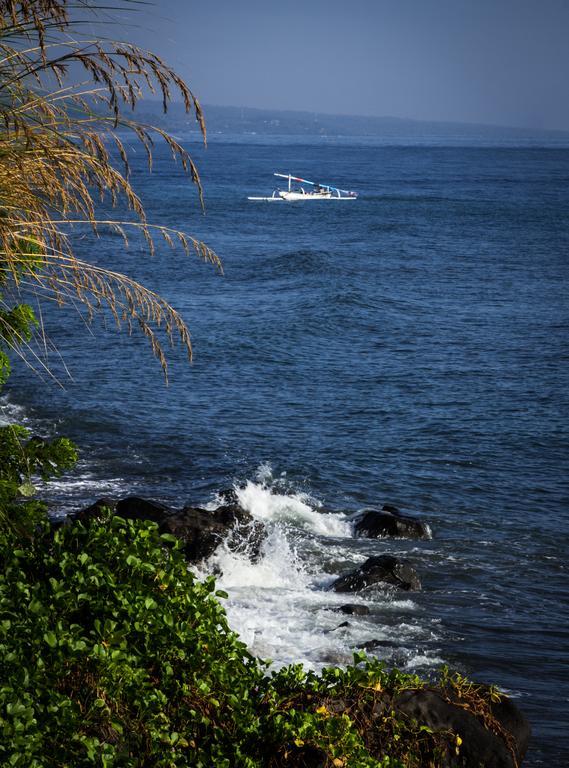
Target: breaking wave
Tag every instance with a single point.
(280, 603)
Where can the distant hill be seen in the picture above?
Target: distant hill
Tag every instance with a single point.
(265, 122)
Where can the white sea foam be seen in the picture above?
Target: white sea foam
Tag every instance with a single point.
(11, 413)
(419, 660)
(276, 603)
(297, 509)
(278, 567)
(79, 485)
(281, 604)
(72, 489)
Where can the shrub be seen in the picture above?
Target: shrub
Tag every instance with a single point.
(113, 654)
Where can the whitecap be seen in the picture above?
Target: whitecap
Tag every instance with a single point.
(281, 604)
(270, 506)
(11, 413)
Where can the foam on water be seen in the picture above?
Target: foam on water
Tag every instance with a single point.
(80, 485)
(11, 413)
(418, 660)
(268, 501)
(272, 601)
(282, 615)
(279, 566)
(281, 605)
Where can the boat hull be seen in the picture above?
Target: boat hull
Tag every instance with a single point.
(296, 198)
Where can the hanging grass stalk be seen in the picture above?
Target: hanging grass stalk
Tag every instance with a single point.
(55, 163)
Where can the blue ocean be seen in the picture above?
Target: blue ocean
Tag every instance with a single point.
(409, 347)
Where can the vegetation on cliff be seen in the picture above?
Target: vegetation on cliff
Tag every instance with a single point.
(113, 654)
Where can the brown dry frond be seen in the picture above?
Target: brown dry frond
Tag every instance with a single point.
(57, 141)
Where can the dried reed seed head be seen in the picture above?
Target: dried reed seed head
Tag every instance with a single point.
(54, 158)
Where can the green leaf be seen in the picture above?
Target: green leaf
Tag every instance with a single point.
(51, 639)
(27, 489)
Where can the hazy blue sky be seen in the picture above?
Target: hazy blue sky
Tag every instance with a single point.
(492, 61)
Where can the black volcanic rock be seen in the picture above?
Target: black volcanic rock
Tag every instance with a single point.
(370, 645)
(383, 569)
(343, 625)
(229, 496)
(245, 534)
(94, 511)
(198, 529)
(389, 521)
(136, 508)
(480, 745)
(353, 609)
(201, 530)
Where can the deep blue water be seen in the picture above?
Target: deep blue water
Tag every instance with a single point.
(409, 347)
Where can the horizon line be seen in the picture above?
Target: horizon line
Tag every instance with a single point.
(418, 121)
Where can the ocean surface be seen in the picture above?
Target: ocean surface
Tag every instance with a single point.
(408, 347)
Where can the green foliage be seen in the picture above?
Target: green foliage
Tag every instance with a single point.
(22, 459)
(113, 655)
(110, 654)
(16, 325)
(357, 706)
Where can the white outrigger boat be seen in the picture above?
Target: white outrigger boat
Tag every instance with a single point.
(317, 191)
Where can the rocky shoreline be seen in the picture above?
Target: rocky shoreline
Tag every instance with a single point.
(495, 737)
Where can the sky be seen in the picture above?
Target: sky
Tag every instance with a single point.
(500, 62)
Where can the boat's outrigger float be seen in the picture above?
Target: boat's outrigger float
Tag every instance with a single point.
(318, 191)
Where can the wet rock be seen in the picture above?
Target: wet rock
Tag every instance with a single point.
(480, 746)
(374, 524)
(94, 511)
(136, 508)
(370, 645)
(245, 534)
(353, 609)
(201, 531)
(198, 529)
(229, 496)
(232, 514)
(343, 625)
(383, 569)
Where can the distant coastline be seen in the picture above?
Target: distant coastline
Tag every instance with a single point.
(222, 120)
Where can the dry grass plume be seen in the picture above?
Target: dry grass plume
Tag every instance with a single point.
(58, 137)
